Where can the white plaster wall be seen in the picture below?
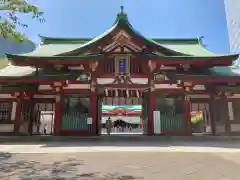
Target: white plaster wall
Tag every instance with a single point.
(34, 129)
(164, 86)
(198, 96)
(234, 96)
(77, 86)
(5, 96)
(220, 128)
(230, 111)
(44, 87)
(199, 87)
(6, 127)
(105, 80)
(139, 80)
(23, 128)
(14, 106)
(235, 127)
(44, 96)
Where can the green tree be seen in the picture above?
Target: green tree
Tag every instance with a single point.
(10, 20)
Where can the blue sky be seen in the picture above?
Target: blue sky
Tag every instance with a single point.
(153, 18)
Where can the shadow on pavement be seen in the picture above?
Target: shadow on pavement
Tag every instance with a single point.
(60, 170)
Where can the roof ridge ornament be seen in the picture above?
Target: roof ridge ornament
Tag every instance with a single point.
(122, 9)
(121, 15)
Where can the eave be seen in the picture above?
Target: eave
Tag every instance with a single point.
(204, 79)
(22, 60)
(228, 88)
(38, 77)
(210, 61)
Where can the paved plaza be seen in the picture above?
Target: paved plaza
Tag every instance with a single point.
(121, 161)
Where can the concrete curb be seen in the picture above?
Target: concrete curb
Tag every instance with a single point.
(38, 139)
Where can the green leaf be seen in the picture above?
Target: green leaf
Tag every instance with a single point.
(9, 20)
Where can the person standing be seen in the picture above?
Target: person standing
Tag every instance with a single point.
(45, 129)
(109, 126)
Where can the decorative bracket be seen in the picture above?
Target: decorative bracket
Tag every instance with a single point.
(57, 86)
(186, 85)
(152, 65)
(94, 66)
(93, 85)
(225, 94)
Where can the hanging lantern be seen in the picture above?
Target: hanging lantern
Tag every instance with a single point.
(57, 89)
(179, 82)
(57, 84)
(93, 84)
(127, 92)
(106, 92)
(187, 89)
(228, 94)
(58, 98)
(94, 65)
(189, 84)
(83, 77)
(137, 93)
(116, 92)
(16, 94)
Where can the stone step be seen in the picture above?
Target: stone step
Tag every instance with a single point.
(119, 138)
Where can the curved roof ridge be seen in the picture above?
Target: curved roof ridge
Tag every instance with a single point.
(176, 39)
(65, 38)
(121, 21)
(203, 46)
(90, 38)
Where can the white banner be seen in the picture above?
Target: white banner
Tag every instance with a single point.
(157, 122)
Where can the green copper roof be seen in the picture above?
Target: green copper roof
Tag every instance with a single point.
(190, 49)
(52, 49)
(29, 73)
(16, 71)
(57, 46)
(203, 74)
(57, 58)
(75, 46)
(225, 71)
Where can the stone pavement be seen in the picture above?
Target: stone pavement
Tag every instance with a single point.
(121, 161)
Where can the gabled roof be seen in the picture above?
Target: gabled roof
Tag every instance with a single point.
(121, 23)
(75, 46)
(57, 46)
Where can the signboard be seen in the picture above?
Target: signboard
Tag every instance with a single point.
(122, 65)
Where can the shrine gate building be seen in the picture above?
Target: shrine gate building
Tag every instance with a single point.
(66, 80)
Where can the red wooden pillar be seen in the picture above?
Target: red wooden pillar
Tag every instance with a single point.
(94, 111)
(151, 108)
(58, 114)
(18, 112)
(212, 113)
(187, 116)
(224, 102)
